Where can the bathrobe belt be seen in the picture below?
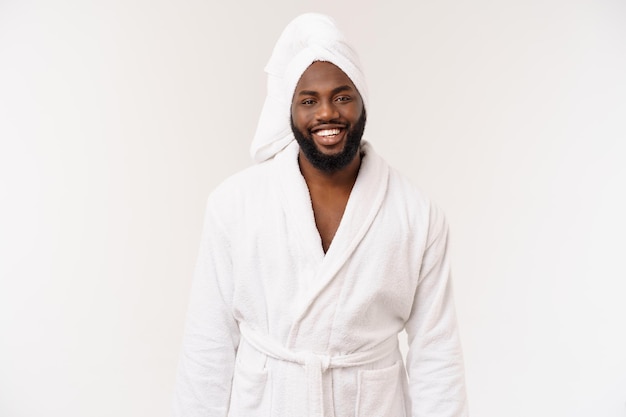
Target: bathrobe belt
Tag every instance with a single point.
(316, 364)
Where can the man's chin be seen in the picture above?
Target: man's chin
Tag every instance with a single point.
(328, 160)
(330, 150)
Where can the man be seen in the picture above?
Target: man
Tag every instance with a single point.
(315, 259)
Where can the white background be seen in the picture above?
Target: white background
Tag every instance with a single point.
(117, 118)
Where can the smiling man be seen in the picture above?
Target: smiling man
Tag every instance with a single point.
(327, 118)
(313, 261)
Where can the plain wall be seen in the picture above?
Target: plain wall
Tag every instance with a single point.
(117, 119)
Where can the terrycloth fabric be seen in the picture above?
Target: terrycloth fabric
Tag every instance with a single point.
(262, 268)
(315, 364)
(308, 38)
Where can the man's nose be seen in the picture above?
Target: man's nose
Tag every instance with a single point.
(327, 110)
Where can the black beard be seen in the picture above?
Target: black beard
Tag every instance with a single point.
(331, 163)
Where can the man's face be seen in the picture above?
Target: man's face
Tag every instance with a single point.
(327, 117)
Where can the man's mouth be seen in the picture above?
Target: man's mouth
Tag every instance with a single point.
(328, 132)
(328, 136)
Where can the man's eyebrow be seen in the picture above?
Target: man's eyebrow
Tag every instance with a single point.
(341, 88)
(308, 93)
(335, 90)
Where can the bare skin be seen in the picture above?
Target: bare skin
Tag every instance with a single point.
(326, 99)
(329, 196)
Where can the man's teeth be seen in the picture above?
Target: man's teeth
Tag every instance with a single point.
(328, 132)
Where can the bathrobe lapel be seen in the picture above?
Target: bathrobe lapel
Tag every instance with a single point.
(296, 201)
(364, 203)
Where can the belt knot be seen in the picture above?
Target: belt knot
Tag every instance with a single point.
(315, 361)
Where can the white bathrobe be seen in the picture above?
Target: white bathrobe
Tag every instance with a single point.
(278, 328)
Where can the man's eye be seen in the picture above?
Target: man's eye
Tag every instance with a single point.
(343, 98)
(308, 102)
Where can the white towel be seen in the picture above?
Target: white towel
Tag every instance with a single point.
(308, 38)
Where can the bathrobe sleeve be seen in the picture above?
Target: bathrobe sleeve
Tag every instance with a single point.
(206, 365)
(434, 360)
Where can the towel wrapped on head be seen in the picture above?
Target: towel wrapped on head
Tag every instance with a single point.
(308, 38)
